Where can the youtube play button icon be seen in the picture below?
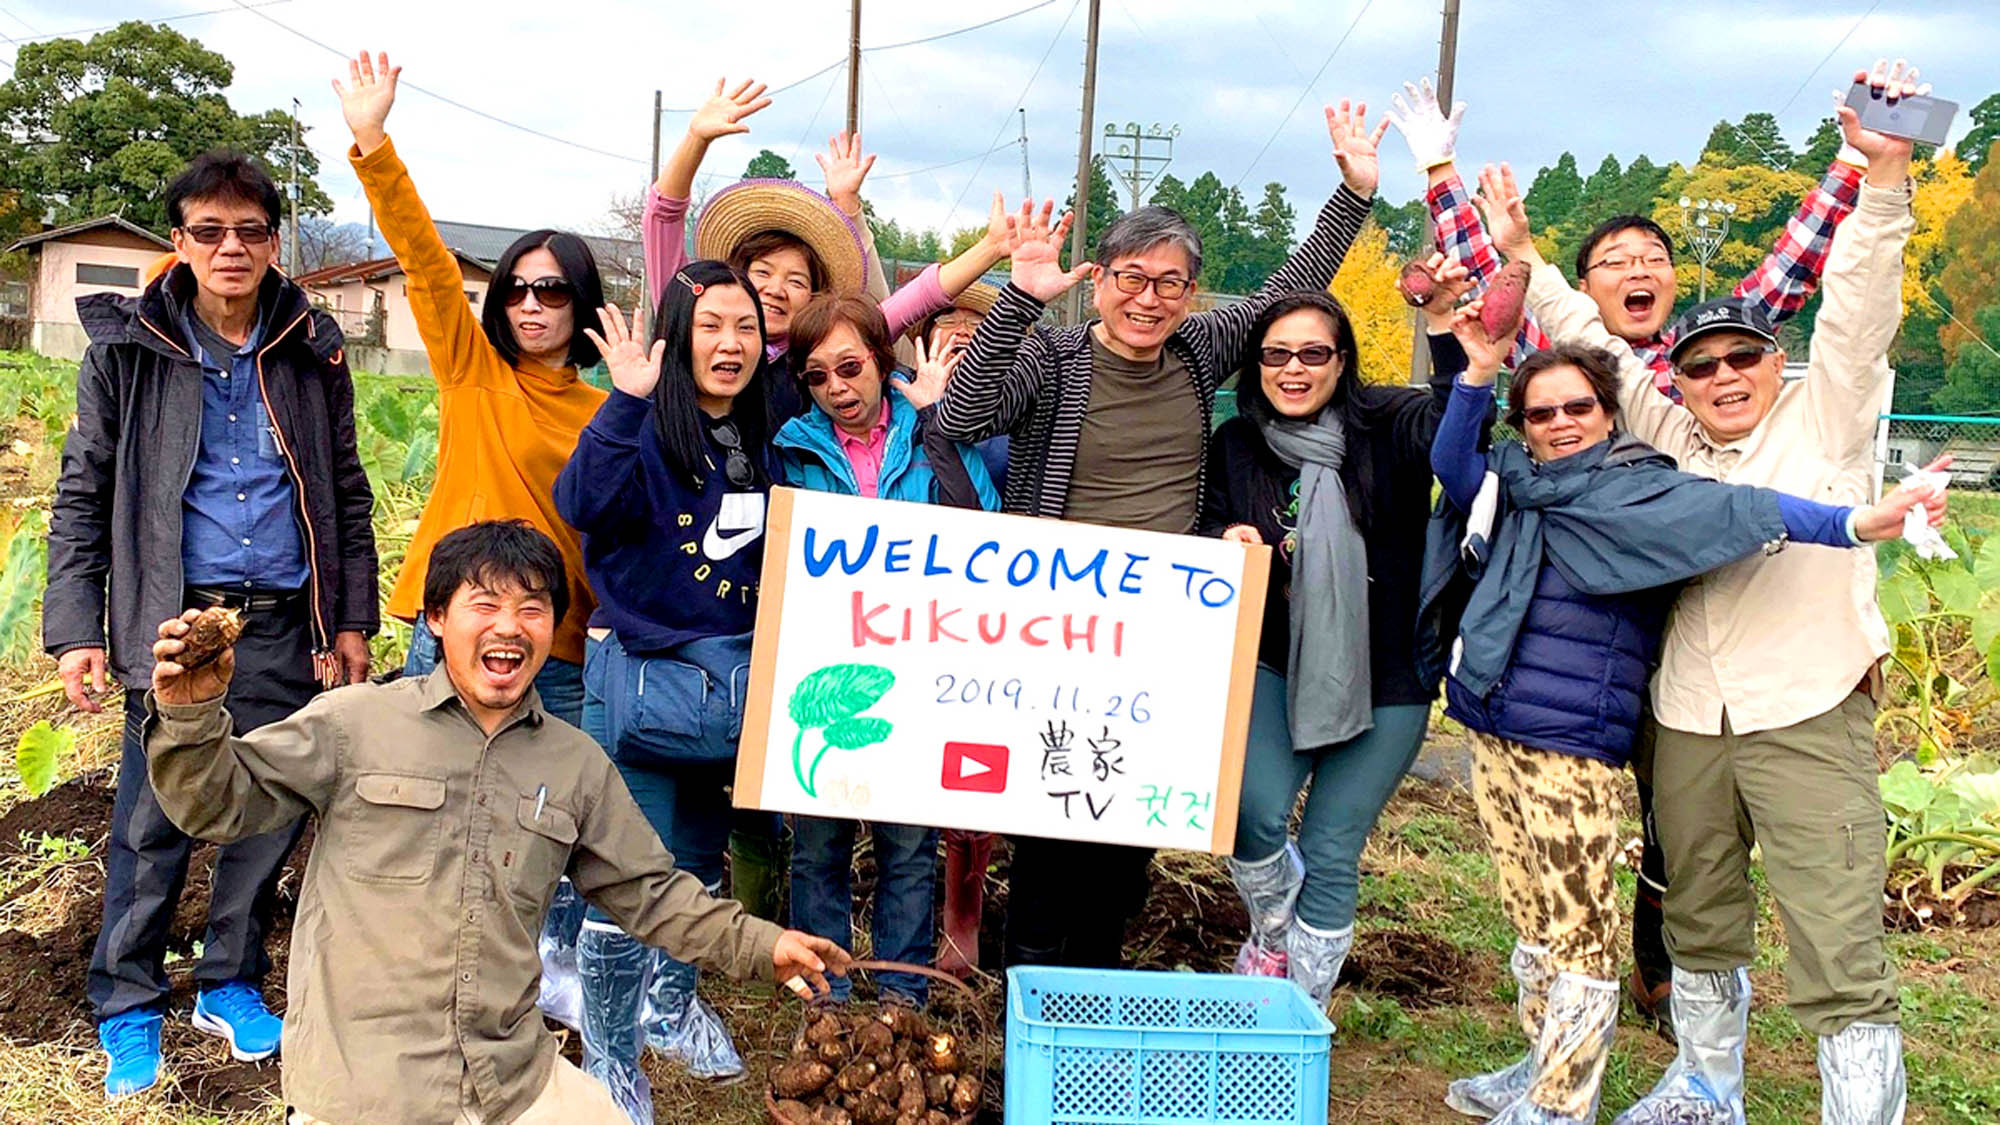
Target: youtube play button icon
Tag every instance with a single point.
(975, 767)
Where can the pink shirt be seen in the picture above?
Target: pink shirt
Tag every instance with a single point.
(864, 455)
(664, 235)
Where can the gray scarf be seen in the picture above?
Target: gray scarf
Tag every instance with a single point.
(1327, 686)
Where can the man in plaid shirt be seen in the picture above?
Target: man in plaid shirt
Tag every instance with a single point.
(1626, 265)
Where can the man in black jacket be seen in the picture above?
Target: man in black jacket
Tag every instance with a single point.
(212, 462)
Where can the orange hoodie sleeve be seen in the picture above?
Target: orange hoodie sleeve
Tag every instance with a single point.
(452, 335)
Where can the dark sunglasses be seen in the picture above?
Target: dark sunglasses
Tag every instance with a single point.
(550, 292)
(1576, 408)
(736, 463)
(1741, 359)
(1312, 355)
(249, 234)
(1134, 282)
(848, 369)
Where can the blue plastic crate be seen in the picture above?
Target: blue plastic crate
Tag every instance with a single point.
(1109, 1047)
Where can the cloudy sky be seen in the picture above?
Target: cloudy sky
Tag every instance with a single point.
(1541, 76)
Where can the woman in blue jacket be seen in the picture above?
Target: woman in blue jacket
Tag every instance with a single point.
(1575, 540)
(667, 486)
(859, 439)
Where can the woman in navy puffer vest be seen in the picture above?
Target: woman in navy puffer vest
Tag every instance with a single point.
(1574, 541)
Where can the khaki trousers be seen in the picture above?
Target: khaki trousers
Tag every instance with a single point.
(1807, 795)
(571, 1098)
(1551, 822)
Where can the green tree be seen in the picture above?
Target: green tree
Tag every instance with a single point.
(1404, 224)
(1754, 140)
(768, 165)
(1972, 383)
(88, 128)
(1820, 148)
(1970, 279)
(1977, 144)
(1555, 194)
(1104, 208)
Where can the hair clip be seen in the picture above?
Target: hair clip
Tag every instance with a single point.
(693, 287)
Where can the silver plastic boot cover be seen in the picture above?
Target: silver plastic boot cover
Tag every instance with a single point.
(613, 971)
(1569, 1055)
(1313, 958)
(1484, 1095)
(1270, 890)
(1861, 1075)
(1704, 1086)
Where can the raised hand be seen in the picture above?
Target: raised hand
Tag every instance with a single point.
(1355, 146)
(367, 98)
(1500, 202)
(1888, 157)
(845, 168)
(1484, 356)
(1453, 281)
(634, 367)
(927, 385)
(1002, 232)
(723, 113)
(1432, 137)
(1037, 256)
(175, 684)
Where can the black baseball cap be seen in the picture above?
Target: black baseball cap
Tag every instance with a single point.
(1724, 314)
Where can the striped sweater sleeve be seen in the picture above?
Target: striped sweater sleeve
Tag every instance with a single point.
(1002, 371)
(1310, 269)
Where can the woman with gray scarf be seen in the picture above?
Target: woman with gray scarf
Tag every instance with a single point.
(1334, 475)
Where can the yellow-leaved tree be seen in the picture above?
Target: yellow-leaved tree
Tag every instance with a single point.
(1944, 183)
(1764, 199)
(1366, 288)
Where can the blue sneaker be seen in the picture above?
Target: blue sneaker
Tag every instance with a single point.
(132, 1045)
(236, 1012)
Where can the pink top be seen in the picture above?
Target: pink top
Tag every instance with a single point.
(864, 455)
(664, 235)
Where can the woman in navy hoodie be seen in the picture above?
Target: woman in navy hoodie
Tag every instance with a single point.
(1574, 540)
(667, 486)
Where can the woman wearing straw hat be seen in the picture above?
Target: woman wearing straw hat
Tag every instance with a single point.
(791, 241)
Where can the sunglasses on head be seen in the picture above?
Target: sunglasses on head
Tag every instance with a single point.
(736, 463)
(1575, 408)
(550, 292)
(1312, 355)
(1741, 359)
(848, 369)
(249, 234)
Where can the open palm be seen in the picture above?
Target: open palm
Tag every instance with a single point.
(723, 113)
(634, 366)
(368, 96)
(1356, 147)
(1037, 258)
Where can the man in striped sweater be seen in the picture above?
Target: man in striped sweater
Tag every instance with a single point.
(1108, 423)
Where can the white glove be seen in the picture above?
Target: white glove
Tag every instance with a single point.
(1917, 529)
(1432, 137)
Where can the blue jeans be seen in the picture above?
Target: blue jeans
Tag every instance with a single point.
(1351, 781)
(687, 804)
(559, 683)
(905, 884)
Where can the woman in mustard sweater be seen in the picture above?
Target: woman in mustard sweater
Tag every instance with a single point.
(511, 402)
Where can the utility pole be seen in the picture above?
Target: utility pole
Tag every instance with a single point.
(1079, 234)
(853, 67)
(292, 237)
(1027, 187)
(1420, 352)
(656, 134)
(1145, 167)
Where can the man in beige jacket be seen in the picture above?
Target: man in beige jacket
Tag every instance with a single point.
(1766, 688)
(448, 806)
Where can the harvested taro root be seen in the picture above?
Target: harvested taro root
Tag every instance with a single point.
(208, 635)
(887, 1068)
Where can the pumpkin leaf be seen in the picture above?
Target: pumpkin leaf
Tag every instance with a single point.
(1905, 788)
(35, 755)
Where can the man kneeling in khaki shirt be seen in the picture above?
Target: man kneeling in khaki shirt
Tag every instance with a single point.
(449, 805)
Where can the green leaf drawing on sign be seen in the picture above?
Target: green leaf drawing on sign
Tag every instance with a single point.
(834, 698)
(36, 753)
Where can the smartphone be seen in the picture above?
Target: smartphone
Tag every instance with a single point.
(1915, 118)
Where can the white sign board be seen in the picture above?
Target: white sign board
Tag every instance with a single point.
(928, 665)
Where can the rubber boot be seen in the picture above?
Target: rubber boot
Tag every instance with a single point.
(966, 858)
(1270, 890)
(683, 1028)
(1313, 958)
(1704, 1086)
(612, 969)
(1570, 1054)
(562, 993)
(756, 872)
(1484, 1095)
(1861, 1075)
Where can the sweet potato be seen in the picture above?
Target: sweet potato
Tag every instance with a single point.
(800, 1078)
(1504, 302)
(832, 1115)
(1417, 285)
(788, 1112)
(209, 634)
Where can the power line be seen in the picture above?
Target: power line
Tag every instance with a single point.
(1310, 83)
(1822, 62)
(994, 145)
(40, 36)
(946, 164)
